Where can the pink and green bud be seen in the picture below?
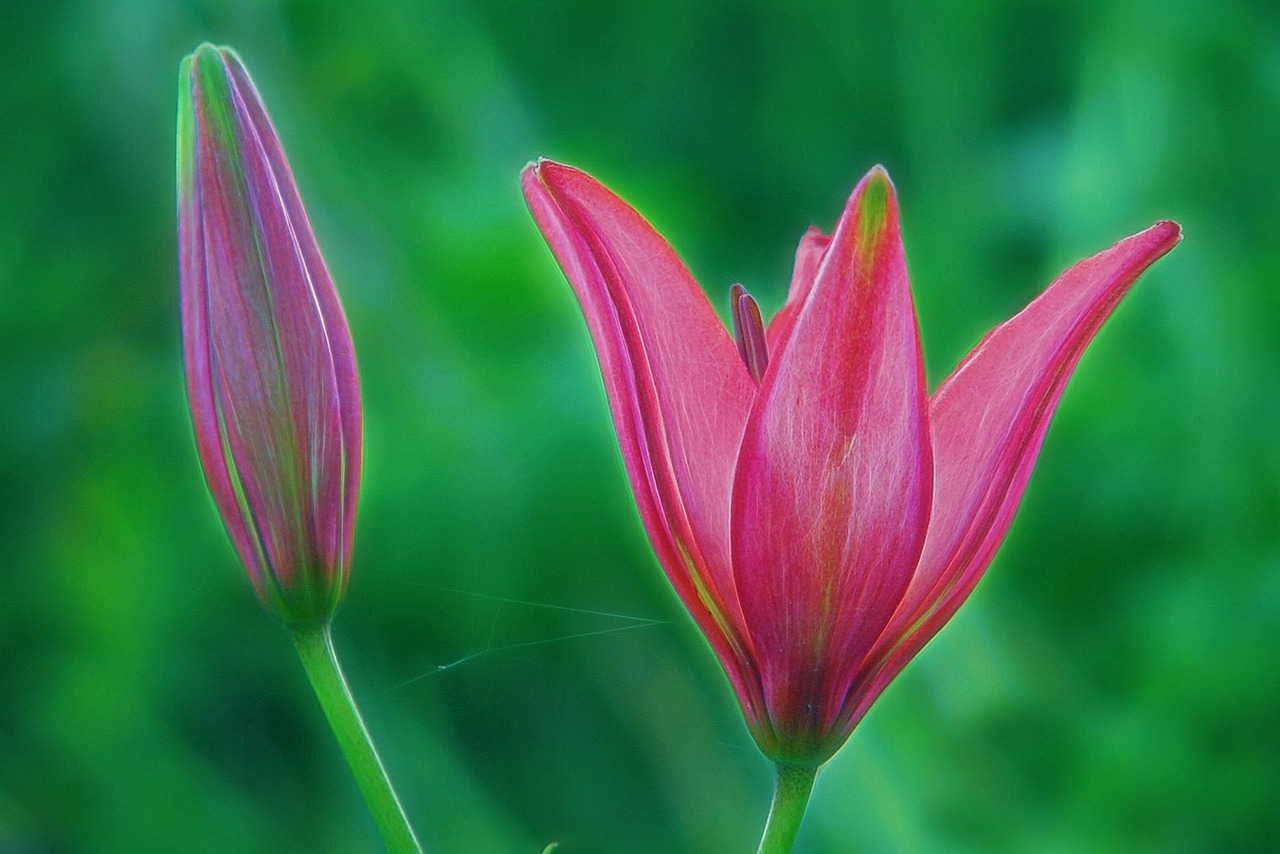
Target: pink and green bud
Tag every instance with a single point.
(270, 369)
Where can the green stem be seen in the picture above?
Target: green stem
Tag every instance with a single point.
(315, 648)
(790, 797)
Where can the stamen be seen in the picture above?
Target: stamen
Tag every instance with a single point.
(748, 331)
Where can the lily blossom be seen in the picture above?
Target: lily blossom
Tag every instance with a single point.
(818, 512)
(270, 367)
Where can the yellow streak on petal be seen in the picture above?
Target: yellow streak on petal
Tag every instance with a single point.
(873, 208)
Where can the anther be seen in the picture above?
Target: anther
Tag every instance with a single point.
(748, 331)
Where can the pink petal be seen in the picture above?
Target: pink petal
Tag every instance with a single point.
(808, 256)
(832, 495)
(988, 420)
(334, 363)
(678, 392)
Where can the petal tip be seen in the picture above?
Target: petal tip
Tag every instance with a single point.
(1171, 230)
(1160, 237)
(209, 58)
(534, 179)
(210, 53)
(879, 173)
(544, 171)
(874, 201)
(531, 171)
(203, 49)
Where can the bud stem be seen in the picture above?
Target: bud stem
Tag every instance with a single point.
(315, 648)
(790, 798)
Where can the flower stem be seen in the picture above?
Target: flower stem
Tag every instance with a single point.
(315, 648)
(790, 797)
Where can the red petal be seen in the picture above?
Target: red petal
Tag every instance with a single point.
(832, 495)
(678, 392)
(808, 256)
(341, 438)
(988, 420)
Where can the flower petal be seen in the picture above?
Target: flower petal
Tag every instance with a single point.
(808, 256)
(678, 392)
(320, 297)
(831, 499)
(988, 420)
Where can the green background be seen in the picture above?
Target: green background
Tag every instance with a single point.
(1113, 684)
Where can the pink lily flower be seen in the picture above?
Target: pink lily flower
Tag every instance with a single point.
(270, 368)
(818, 512)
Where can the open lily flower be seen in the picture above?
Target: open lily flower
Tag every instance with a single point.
(818, 512)
(270, 368)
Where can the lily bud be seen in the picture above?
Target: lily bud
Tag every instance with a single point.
(270, 369)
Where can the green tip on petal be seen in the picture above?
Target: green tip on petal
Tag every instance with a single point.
(186, 140)
(214, 98)
(873, 206)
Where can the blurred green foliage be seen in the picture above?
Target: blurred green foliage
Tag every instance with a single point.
(1112, 686)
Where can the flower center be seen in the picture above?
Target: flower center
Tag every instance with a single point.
(748, 331)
